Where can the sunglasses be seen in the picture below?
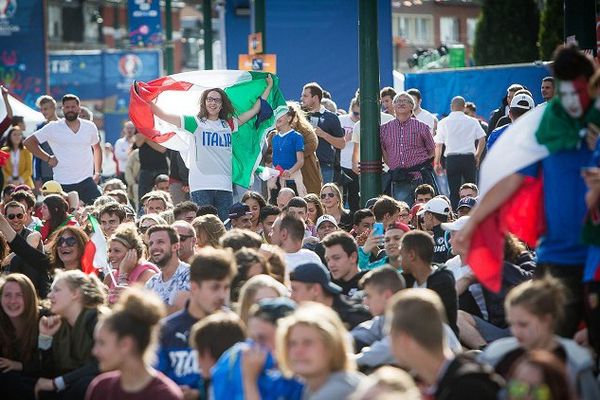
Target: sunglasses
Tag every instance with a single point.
(69, 241)
(325, 195)
(13, 216)
(522, 390)
(183, 238)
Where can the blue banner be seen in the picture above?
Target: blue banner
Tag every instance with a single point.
(79, 73)
(23, 49)
(145, 27)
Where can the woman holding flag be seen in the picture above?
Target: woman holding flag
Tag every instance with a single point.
(209, 135)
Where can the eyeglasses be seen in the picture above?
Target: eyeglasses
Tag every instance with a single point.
(69, 241)
(325, 195)
(183, 238)
(522, 390)
(13, 216)
(214, 100)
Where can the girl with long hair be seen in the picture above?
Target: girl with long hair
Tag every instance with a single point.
(314, 209)
(311, 171)
(534, 310)
(256, 202)
(257, 288)
(125, 255)
(313, 344)
(55, 215)
(209, 230)
(19, 166)
(331, 197)
(66, 338)
(209, 135)
(125, 344)
(19, 314)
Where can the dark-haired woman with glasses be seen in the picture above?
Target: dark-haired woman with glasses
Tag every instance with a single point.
(66, 251)
(331, 198)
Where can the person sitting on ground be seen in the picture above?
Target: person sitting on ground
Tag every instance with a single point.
(434, 213)
(123, 346)
(312, 282)
(416, 319)
(313, 344)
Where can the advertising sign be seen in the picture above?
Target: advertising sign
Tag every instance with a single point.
(145, 27)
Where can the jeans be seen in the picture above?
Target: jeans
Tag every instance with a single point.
(460, 169)
(87, 189)
(326, 172)
(351, 190)
(177, 195)
(221, 199)
(404, 191)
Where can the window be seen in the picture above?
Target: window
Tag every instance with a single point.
(415, 29)
(449, 30)
(471, 28)
(54, 22)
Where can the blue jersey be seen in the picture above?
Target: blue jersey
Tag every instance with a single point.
(176, 359)
(564, 206)
(285, 146)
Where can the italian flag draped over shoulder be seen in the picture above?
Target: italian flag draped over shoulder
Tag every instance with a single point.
(96, 250)
(180, 94)
(534, 136)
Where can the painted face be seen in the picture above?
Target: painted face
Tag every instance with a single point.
(13, 303)
(574, 97)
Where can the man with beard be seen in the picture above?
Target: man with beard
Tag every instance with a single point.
(172, 283)
(77, 158)
(210, 275)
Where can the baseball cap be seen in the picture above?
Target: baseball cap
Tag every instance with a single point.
(468, 202)
(315, 273)
(52, 187)
(397, 224)
(280, 112)
(326, 217)
(437, 206)
(23, 187)
(239, 210)
(274, 309)
(371, 202)
(522, 101)
(456, 225)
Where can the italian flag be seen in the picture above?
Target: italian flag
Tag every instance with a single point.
(96, 250)
(180, 94)
(534, 136)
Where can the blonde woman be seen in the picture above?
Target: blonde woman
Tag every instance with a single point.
(255, 289)
(314, 345)
(66, 338)
(331, 198)
(209, 229)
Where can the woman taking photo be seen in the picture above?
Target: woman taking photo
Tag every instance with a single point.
(19, 314)
(534, 309)
(19, 166)
(313, 344)
(54, 214)
(67, 337)
(314, 209)
(256, 202)
(125, 252)
(209, 134)
(125, 345)
(331, 198)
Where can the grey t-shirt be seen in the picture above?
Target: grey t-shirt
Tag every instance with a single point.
(340, 385)
(167, 290)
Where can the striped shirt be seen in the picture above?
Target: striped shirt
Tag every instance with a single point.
(407, 143)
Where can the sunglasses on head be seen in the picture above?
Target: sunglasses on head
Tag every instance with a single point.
(325, 195)
(69, 241)
(13, 216)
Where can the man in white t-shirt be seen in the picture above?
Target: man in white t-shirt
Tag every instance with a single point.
(347, 121)
(420, 113)
(287, 233)
(459, 132)
(77, 158)
(123, 146)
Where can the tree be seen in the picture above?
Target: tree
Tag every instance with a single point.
(507, 32)
(552, 26)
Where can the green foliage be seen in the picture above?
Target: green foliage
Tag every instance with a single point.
(507, 32)
(551, 28)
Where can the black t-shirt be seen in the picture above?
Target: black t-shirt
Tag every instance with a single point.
(330, 123)
(440, 249)
(349, 288)
(465, 378)
(152, 160)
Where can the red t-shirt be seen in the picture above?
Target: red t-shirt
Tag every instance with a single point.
(108, 386)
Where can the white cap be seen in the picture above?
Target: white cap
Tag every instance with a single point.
(326, 217)
(456, 225)
(522, 101)
(436, 205)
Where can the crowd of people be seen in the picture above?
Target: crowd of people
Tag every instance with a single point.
(293, 290)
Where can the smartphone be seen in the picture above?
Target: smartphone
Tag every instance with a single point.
(377, 229)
